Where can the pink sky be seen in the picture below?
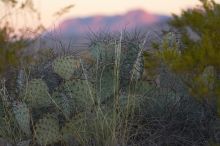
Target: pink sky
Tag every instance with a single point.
(110, 7)
(104, 7)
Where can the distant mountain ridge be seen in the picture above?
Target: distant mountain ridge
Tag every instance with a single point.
(130, 20)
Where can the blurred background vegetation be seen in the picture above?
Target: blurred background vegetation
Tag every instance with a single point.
(166, 95)
(13, 41)
(196, 62)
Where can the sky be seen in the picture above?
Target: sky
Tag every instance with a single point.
(83, 8)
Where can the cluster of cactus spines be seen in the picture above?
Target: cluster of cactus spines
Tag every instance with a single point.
(65, 66)
(36, 94)
(47, 130)
(22, 116)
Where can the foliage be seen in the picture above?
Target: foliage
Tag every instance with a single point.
(196, 61)
(15, 42)
(12, 41)
(187, 63)
(104, 99)
(80, 109)
(10, 51)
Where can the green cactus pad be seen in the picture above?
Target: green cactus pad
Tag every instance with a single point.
(47, 130)
(37, 94)
(105, 84)
(65, 66)
(103, 52)
(22, 116)
(75, 129)
(63, 103)
(80, 93)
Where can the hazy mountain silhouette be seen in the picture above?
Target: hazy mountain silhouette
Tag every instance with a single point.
(130, 20)
(73, 32)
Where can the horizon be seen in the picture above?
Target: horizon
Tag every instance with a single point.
(85, 8)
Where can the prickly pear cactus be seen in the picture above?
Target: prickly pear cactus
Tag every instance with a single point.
(64, 104)
(80, 92)
(103, 52)
(74, 130)
(130, 65)
(22, 116)
(65, 66)
(105, 84)
(37, 94)
(47, 130)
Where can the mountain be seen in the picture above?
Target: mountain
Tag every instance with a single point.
(73, 32)
(130, 20)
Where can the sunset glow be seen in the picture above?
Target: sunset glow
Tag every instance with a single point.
(111, 7)
(83, 8)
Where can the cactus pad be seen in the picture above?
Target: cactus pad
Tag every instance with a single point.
(75, 129)
(64, 103)
(65, 66)
(106, 84)
(37, 94)
(80, 92)
(47, 130)
(22, 116)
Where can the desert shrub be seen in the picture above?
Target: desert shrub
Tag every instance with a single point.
(186, 61)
